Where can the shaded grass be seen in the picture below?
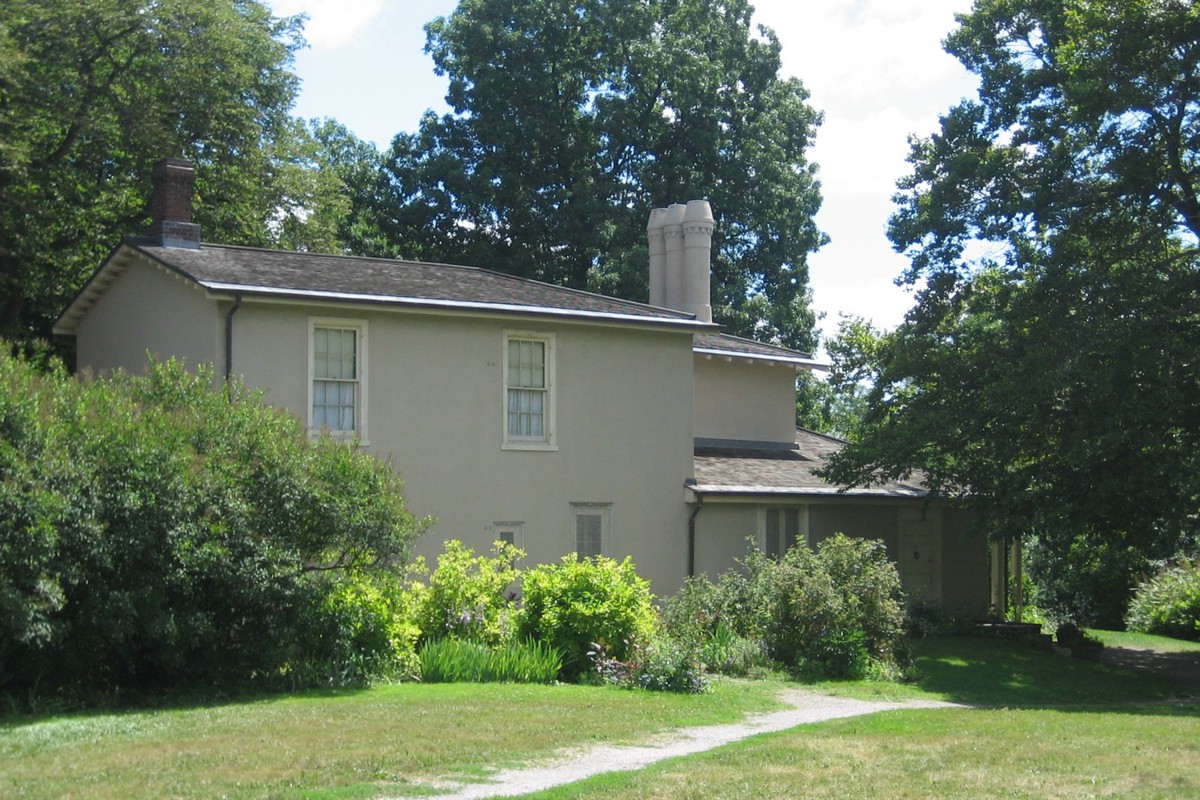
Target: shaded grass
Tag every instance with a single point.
(1000, 673)
(348, 745)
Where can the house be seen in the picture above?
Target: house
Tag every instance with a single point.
(556, 419)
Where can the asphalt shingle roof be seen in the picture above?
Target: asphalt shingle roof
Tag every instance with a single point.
(749, 470)
(281, 273)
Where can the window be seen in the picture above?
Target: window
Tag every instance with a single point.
(509, 532)
(337, 377)
(528, 391)
(590, 523)
(782, 528)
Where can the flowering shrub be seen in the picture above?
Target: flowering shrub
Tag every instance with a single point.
(578, 603)
(469, 596)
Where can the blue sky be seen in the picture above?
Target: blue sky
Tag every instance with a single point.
(875, 67)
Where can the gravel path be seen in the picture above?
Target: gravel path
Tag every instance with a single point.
(806, 707)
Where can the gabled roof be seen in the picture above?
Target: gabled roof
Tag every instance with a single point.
(249, 272)
(722, 345)
(746, 469)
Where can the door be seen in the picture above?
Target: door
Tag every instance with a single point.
(920, 560)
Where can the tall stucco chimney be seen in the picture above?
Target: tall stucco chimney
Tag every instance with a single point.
(171, 224)
(680, 243)
(673, 255)
(697, 260)
(658, 257)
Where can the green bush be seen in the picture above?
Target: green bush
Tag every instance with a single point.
(1169, 603)
(661, 664)
(469, 596)
(363, 629)
(157, 533)
(576, 603)
(836, 611)
(706, 618)
(459, 661)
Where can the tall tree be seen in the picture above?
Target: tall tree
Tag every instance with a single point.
(571, 119)
(1048, 374)
(92, 92)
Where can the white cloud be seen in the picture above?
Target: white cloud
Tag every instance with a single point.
(331, 23)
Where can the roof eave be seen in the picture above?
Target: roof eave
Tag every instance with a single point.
(300, 295)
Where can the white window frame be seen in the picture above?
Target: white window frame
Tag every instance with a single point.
(547, 440)
(782, 544)
(359, 326)
(512, 532)
(604, 511)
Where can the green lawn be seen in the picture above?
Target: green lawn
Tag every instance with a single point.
(1147, 641)
(1051, 727)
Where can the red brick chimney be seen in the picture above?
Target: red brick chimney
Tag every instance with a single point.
(171, 204)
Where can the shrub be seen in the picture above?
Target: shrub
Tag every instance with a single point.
(836, 611)
(704, 618)
(576, 603)
(157, 533)
(470, 596)
(363, 629)
(661, 665)
(459, 661)
(1169, 603)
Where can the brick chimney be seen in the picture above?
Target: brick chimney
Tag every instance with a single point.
(171, 204)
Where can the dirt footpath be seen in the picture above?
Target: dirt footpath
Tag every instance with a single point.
(806, 707)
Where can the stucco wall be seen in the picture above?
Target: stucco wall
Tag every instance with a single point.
(435, 407)
(736, 400)
(962, 560)
(148, 309)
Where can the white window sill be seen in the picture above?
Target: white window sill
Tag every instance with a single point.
(542, 446)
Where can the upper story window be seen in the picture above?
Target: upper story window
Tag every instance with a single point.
(529, 391)
(337, 363)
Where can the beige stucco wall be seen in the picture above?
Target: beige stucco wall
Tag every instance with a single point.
(435, 407)
(145, 309)
(722, 526)
(738, 400)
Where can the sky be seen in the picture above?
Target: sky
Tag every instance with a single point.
(876, 68)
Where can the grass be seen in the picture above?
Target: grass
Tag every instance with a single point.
(1145, 641)
(343, 745)
(1050, 726)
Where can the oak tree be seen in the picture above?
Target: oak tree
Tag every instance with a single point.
(571, 119)
(1048, 373)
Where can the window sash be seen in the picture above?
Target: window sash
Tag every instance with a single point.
(336, 381)
(527, 389)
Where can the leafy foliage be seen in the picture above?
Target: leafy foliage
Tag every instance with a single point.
(158, 533)
(576, 603)
(660, 665)
(834, 612)
(94, 92)
(571, 121)
(1169, 603)
(1047, 375)
(468, 596)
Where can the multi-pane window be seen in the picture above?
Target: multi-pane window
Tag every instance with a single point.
(781, 529)
(336, 366)
(528, 367)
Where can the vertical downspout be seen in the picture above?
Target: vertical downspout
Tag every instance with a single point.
(237, 303)
(692, 534)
